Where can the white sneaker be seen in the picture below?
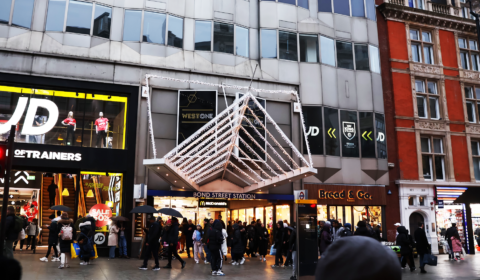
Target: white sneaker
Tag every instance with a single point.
(44, 259)
(264, 259)
(220, 273)
(214, 273)
(196, 261)
(83, 263)
(21, 249)
(256, 255)
(234, 263)
(61, 266)
(242, 261)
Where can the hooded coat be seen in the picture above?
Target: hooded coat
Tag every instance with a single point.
(403, 241)
(421, 241)
(279, 236)
(173, 233)
(53, 233)
(263, 245)
(363, 230)
(376, 262)
(188, 230)
(215, 236)
(66, 244)
(85, 228)
(237, 245)
(325, 238)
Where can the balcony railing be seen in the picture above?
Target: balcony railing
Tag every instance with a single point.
(433, 7)
(441, 9)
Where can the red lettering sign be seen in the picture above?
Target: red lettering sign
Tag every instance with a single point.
(101, 213)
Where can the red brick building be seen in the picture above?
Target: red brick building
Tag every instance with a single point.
(431, 83)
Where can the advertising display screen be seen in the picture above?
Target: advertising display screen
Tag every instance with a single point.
(349, 127)
(314, 127)
(381, 136)
(196, 108)
(367, 134)
(332, 132)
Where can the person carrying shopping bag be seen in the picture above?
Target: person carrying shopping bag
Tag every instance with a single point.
(197, 244)
(32, 231)
(66, 235)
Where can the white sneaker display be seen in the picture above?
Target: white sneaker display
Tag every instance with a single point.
(43, 259)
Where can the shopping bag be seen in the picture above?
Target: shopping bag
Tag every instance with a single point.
(93, 254)
(75, 250)
(273, 251)
(430, 259)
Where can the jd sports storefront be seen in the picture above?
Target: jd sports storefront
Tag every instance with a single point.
(78, 136)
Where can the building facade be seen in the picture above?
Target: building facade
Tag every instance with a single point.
(327, 51)
(430, 75)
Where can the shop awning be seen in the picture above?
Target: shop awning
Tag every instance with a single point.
(470, 195)
(237, 151)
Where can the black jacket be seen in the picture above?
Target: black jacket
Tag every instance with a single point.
(188, 230)
(450, 233)
(422, 241)
(363, 230)
(52, 189)
(173, 234)
(154, 233)
(53, 233)
(237, 245)
(10, 228)
(279, 236)
(403, 241)
(165, 232)
(206, 229)
(92, 225)
(292, 241)
(215, 236)
(252, 233)
(477, 231)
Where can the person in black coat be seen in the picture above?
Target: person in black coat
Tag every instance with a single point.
(292, 248)
(422, 244)
(451, 231)
(52, 239)
(92, 221)
(85, 243)
(237, 246)
(152, 245)
(363, 230)
(215, 241)
(52, 192)
(252, 239)
(172, 244)
(243, 233)
(280, 242)
(263, 236)
(188, 230)
(405, 247)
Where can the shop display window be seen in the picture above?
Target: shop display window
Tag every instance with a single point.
(322, 213)
(250, 216)
(53, 117)
(234, 215)
(359, 214)
(283, 212)
(259, 214)
(269, 217)
(241, 215)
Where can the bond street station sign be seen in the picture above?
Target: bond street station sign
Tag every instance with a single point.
(212, 203)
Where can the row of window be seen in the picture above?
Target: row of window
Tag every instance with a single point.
(300, 3)
(344, 133)
(354, 8)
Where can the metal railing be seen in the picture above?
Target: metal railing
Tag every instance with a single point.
(440, 8)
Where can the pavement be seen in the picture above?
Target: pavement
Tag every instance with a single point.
(253, 269)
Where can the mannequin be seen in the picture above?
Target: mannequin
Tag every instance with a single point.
(71, 125)
(101, 127)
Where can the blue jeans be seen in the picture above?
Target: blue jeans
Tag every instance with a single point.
(112, 252)
(422, 264)
(207, 251)
(122, 246)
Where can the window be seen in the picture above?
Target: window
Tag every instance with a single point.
(416, 4)
(22, 13)
(371, 10)
(327, 49)
(56, 15)
(361, 57)
(465, 13)
(427, 99)
(422, 47)
(175, 31)
(223, 37)
(325, 6)
(101, 21)
(269, 43)
(476, 159)
(472, 102)
(433, 158)
(332, 132)
(344, 55)
(341, 7)
(374, 59)
(242, 44)
(288, 45)
(308, 48)
(287, 2)
(367, 140)
(5, 7)
(349, 133)
(132, 25)
(468, 54)
(411, 200)
(203, 35)
(421, 200)
(154, 26)
(303, 3)
(381, 138)
(79, 17)
(358, 8)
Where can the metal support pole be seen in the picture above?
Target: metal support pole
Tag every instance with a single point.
(6, 189)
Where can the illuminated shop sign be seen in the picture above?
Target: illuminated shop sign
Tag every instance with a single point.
(212, 203)
(347, 195)
(350, 195)
(224, 195)
(314, 126)
(48, 155)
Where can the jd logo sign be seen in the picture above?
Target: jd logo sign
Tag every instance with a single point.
(349, 130)
(313, 131)
(28, 128)
(99, 238)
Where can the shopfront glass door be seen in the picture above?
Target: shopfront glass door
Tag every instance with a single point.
(269, 217)
(250, 216)
(259, 214)
(283, 213)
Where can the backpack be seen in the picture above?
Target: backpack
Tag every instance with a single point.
(87, 246)
(67, 232)
(346, 233)
(18, 226)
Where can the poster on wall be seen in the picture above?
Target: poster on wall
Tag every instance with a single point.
(314, 127)
(195, 109)
(261, 117)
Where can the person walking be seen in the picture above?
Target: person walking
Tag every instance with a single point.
(325, 238)
(10, 233)
(477, 235)
(152, 245)
(22, 241)
(337, 229)
(206, 229)
(362, 229)
(224, 244)
(279, 244)
(229, 233)
(112, 240)
(263, 242)
(237, 246)
(405, 247)
(172, 246)
(347, 230)
(122, 242)
(183, 237)
(188, 229)
(52, 240)
(292, 248)
(451, 231)
(85, 243)
(32, 231)
(215, 241)
(52, 192)
(422, 244)
(252, 239)
(197, 244)
(243, 233)
(457, 246)
(67, 235)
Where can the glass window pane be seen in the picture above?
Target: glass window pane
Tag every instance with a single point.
(474, 58)
(437, 146)
(427, 167)
(348, 214)
(475, 148)
(325, 6)
(341, 7)
(421, 107)
(374, 59)
(361, 57)
(340, 214)
(22, 13)
(333, 212)
(472, 44)
(132, 25)
(419, 86)
(428, 54)
(303, 3)
(464, 60)
(283, 213)
(434, 114)
(426, 37)
(432, 87)
(175, 31)
(476, 168)
(421, 200)
(470, 111)
(416, 53)
(288, 45)
(411, 200)
(327, 49)
(462, 43)
(322, 213)
(314, 127)
(223, 37)
(367, 135)
(79, 18)
(468, 92)
(269, 43)
(203, 35)
(381, 138)
(287, 2)
(332, 132)
(55, 16)
(425, 145)
(308, 48)
(242, 44)
(358, 8)
(414, 34)
(344, 55)
(349, 127)
(5, 7)
(359, 214)
(154, 26)
(439, 168)
(477, 93)
(371, 10)
(102, 21)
